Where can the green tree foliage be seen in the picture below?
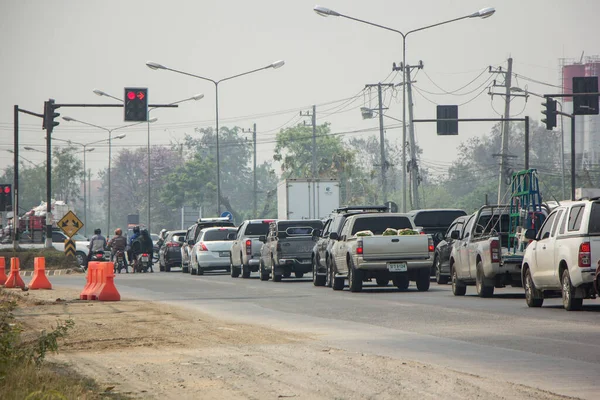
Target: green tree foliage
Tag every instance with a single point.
(67, 172)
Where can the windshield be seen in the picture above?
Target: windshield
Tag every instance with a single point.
(214, 235)
(257, 229)
(378, 224)
(437, 219)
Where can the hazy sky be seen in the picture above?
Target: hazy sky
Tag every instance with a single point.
(63, 49)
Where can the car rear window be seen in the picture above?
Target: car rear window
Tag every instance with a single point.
(257, 229)
(178, 238)
(379, 224)
(284, 225)
(575, 218)
(437, 219)
(594, 224)
(217, 234)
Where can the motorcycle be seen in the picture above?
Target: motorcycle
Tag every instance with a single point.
(120, 262)
(100, 255)
(142, 262)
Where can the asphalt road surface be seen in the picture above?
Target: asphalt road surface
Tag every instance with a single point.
(499, 338)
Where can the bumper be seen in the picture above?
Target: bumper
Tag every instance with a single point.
(210, 262)
(383, 265)
(293, 265)
(583, 276)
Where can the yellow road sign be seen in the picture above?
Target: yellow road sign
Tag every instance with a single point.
(69, 248)
(70, 224)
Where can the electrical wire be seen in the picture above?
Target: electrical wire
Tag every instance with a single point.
(457, 90)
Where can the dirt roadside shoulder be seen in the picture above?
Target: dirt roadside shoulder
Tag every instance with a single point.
(154, 351)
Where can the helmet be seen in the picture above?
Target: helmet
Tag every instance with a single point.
(118, 231)
(145, 232)
(97, 231)
(136, 229)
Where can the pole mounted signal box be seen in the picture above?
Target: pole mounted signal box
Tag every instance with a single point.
(136, 104)
(6, 197)
(447, 117)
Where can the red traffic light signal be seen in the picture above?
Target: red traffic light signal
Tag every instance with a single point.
(6, 189)
(131, 95)
(136, 104)
(6, 197)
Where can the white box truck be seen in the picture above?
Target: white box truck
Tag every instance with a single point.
(307, 198)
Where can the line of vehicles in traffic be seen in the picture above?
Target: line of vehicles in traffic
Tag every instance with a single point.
(555, 254)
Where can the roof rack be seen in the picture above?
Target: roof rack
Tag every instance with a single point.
(381, 208)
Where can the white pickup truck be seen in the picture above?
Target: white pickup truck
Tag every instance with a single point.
(245, 250)
(563, 257)
(480, 255)
(81, 245)
(401, 258)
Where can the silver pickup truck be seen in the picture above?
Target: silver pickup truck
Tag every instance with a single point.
(245, 250)
(363, 252)
(288, 248)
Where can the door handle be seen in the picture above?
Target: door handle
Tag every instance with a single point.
(464, 245)
(544, 247)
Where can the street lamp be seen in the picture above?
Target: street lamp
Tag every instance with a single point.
(326, 12)
(195, 98)
(562, 133)
(26, 159)
(275, 65)
(110, 131)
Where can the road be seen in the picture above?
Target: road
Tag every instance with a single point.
(501, 337)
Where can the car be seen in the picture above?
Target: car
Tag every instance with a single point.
(245, 249)
(441, 257)
(212, 251)
(169, 254)
(191, 236)
(81, 245)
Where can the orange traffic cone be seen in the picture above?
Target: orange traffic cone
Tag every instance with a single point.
(3, 276)
(108, 291)
(14, 280)
(85, 292)
(39, 279)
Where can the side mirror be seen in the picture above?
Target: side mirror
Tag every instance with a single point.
(455, 234)
(334, 236)
(191, 242)
(262, 238)
(231, 236)
(530, 234)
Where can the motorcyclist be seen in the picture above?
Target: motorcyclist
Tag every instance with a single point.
(97, 243)
(134, 236)
(143, 244)
(117, 243)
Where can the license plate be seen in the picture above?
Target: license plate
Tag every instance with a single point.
(305, 261)
(397, 267)
(223, 254)
(144, 258)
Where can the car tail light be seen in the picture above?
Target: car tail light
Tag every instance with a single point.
(585, 256)
(430, 245)
(202, 247)
(172, 244)
(248, 246)
(267, 221)
(144, 254)
(359, 247)
(495, 250)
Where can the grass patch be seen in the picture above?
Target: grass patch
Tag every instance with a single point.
(54, 259)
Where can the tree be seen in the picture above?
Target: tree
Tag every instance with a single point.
(67, 171)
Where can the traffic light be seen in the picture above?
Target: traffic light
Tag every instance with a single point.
(6, 197)
(49, 115)
(585, 105)
(136, 104)
(550, 113)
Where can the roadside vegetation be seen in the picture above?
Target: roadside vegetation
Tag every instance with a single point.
(54, 259)
(24, 371)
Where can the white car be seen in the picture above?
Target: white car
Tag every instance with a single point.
(563, 256)
(212, 250)
(81, 245)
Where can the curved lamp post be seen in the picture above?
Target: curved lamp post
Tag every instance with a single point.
(110, 131)
(326, 12)
(195, 98)
(275, 65)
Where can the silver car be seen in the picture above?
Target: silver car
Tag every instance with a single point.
(212, 250)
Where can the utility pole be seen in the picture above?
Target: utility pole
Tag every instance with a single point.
(383, 161)
(255, 190)
(414, 168)
(503, 175)
(313, 116)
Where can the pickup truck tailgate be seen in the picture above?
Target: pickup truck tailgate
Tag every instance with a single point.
(408, 247)
(296, 247)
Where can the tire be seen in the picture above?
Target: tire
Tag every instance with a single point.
(199, 270)
(185, 269)
(161, 267)
(193, 271)
(401, 282)
(329, 274)
(318, 280)
(276, 278)
(483, 290)
(568, 291)
(167, 268)
(441, 280)
(382, 281)
(458, 287)
(299, 274)
(245, 271)
(81, 258)
(354, 278)
(233, 271)
(423, 279)
(533, 296)
(264, 275)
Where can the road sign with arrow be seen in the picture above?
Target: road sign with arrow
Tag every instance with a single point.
(70, 224)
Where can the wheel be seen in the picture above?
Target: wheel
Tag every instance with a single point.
(401, 281)
(276, 278)
(329, 274)
(568, 291)
(245, 271)
(382, 281)
(167, 268)
(458, 287)
(234, 272)
(287, 274)
(298, 274)
(81, 258)
(318, 280)
(483, 290)
(441, 280)
(185, 268)
(264, 274)
(423, 280)
(199, 270)
(193, 270)
(354, 277)
(533, 296)
(161, 267)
